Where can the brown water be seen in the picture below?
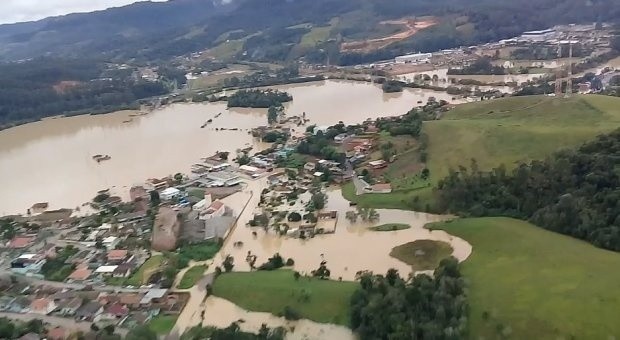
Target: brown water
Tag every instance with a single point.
(51, 160)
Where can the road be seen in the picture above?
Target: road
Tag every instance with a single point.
(191, 314)
(67, 323)
(75, 286)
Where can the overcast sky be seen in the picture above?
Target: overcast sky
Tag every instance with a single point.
(28, 10)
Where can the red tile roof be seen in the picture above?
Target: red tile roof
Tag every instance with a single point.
(21, 242)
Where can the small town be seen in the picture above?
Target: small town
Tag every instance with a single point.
(309, 170)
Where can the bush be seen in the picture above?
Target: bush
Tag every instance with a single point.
(274, 262)
(290, 313)
(290, 262)
(294, 217)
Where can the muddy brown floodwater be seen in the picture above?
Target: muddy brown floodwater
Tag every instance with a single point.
(51, 160)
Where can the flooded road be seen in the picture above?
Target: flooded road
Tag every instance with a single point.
(51, 160)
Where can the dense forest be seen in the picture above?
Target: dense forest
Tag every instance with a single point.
(573, 192)
(392, 308)
(269, 31)
(258, 98)
(50, 86)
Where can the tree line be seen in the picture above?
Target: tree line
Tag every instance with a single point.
(258, 98)
(573, 192)
(45, 87)
(423, 307)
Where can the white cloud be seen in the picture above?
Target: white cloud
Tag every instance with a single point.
(27, 10)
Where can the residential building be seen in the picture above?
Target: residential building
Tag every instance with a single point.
(105, 270)
(216, 209)
(122, 270)
(165, 230)
(57, 333)
(169, 194)
(80, 274)
(70, 306)
(27, 264)
(131, 300)
(114, 311)
(157, 184)
(153, 296)
(42, 306)
(380, 164)
(21, 242)
(224, 178)
(381, 188)
(137, 192)
(110, 242)
(89, 311)
(117, 256)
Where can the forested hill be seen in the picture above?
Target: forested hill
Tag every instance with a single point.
(272, 30)
(574, 192)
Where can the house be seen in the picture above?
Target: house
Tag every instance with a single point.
(131, 300)
(57, 333)
(153, 296)
(80, 274)
(89, 311)
(157, 184)
(131, 217)
(48, 251)
(381, 188)
(117, 256)
(340, 138)
(114, 311)
(42, 306)
(110, 242)
(19, 304)
(70, 306)
(380, 164)
(309, 166)
(106, 270)
(122, 270)
(169, 194)
(137, 192)
(250, 170)
(27, 264)
(224, 178)
(216, 209)
(20, 242)
(165, 230)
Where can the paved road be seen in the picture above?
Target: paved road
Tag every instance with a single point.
(76, 286)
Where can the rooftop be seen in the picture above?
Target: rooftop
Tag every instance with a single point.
(105, 269)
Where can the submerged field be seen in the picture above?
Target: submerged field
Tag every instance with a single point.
(529, 283)
(503, 131)
(271, 291)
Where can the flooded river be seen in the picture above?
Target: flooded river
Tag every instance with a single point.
(51, 160)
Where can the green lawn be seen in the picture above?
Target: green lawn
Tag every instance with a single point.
(315, 36)
(192, 276)
(503, 131)
(143, 273)
(162, 324)
(270, 291)
(422, 254)
(391, 227)
(536, 284)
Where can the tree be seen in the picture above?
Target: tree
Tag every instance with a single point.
(155, 200)
(322, 272)
(243, 159)
(178, 178)
(318, 201)
(229, 263)
(141, 332)
(351, 216)
(294, 217)
(272, 115)
(425, 174)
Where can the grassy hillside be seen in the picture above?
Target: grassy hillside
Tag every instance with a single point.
(504, 131)
(515, 129)
(529, 283)
(271, 291)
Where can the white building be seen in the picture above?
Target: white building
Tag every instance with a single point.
(110, 242)
(538, 36)
(170, 193)
(416, 58)
(216, 209)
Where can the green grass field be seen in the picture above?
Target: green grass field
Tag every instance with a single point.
(529, 283)
(270, 291)
(143, 273)
(162, 324)
(391, 227)
(503, 131)
(422, 254)
(315, 36)
(191, 276)
(514, 129)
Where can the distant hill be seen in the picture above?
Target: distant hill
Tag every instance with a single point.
(279, 30)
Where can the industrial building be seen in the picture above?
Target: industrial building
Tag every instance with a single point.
(417, 58)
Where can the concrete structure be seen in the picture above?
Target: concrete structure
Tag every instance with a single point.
(413, 58)
(166, 230)
(224, 178)
(216, 209)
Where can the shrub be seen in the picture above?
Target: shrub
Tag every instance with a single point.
(294, 217)
(290, 262)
